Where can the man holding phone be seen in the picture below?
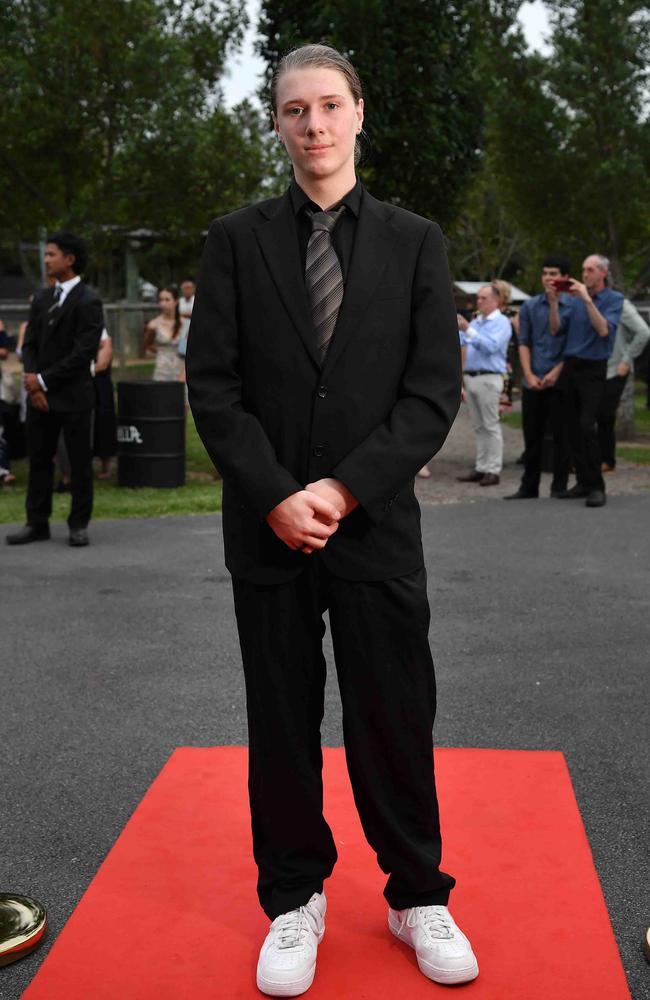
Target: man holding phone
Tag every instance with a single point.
(590, 328)
(542, 400)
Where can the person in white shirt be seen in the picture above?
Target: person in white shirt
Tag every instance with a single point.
(185, 306)
(63, 332)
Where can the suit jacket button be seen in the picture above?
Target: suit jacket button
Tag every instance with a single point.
(322, 391)
(318, 451)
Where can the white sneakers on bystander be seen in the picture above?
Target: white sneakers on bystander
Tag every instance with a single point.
(443, 952)
(287, 960)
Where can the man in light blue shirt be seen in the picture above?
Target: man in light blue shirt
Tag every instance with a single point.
(484, 342)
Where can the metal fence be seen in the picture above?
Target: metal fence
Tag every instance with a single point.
(125, 322)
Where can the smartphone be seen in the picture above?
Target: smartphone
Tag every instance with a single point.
(562, 284)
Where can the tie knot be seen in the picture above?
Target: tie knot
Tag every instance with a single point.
(325, 221)
(58, 289)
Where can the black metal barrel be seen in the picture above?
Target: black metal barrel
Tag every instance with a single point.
(151, 434)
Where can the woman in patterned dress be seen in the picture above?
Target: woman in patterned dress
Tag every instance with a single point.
(162, 335)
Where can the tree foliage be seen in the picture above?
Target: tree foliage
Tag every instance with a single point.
(569, 137)
(416, 59)
(113, 119)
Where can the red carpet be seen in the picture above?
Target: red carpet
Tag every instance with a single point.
(173, 915)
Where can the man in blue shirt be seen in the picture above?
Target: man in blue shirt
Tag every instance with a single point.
(485, 343)
(590, 330)
(542, 399)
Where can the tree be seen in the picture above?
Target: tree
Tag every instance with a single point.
(114, 120)
(569, 134)
(485, 241)
(416, 59)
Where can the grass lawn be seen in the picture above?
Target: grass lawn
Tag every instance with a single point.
(200, 495)
(638, 453)
(512, 419)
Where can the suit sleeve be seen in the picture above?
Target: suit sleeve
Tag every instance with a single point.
(89, 323)
(234, 438)
(429, 397)
(30, 345)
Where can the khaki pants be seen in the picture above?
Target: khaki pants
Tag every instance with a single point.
(482, 393)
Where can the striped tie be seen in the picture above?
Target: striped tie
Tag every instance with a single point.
(58, 290)
(324, 278)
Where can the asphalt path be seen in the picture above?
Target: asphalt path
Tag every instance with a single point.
(114, 655)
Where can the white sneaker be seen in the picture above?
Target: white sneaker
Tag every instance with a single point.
(287, 960)
(443, 952)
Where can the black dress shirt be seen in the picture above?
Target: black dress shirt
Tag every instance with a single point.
(344, 231)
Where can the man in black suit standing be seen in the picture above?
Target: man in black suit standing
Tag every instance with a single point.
(61, 341)
(323, 371)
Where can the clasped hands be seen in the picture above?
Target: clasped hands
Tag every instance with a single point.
(545, 382)
(306, 520)
(36, 395)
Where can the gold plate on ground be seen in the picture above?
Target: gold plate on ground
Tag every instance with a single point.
(22, 925)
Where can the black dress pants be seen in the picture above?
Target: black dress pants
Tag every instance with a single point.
(43, 430)
(388, 695)
(607, 418)
(539, 407)
(583, 382)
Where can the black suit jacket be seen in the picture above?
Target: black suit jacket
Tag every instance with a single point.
(382, 406)
(61, 345)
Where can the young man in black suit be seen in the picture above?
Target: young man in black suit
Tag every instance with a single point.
(61, 341)
(323, 370)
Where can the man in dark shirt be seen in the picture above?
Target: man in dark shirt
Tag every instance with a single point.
(542, 399)
(590, 329)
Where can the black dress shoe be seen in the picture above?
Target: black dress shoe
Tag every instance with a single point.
(521, 495)
(489, 479)
(470, 477)
(30, 533)
(575, 493)
(595, 498)
(78, 537)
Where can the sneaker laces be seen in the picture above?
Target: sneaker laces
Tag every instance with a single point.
(292, 927)
(434, 920)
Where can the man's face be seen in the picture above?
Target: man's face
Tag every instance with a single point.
(188, 289)
(593, 274)
(549, 275)
(318, 120)
(486, 301)
(58, 264)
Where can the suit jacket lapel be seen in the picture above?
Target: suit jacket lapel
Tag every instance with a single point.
(278, 240)
(373, 243)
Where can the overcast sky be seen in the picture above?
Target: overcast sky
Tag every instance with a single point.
(244, 71)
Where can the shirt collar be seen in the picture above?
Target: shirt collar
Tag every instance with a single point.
(495, 312)
(67, 286)
(352, 200)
